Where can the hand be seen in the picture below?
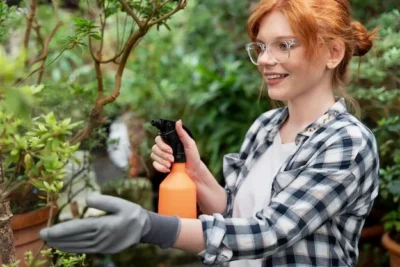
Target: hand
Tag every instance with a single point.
(125, 226)
(163, 156)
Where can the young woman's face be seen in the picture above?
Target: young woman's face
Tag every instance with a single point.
(296, 77)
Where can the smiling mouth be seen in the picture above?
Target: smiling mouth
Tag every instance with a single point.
(276, 76)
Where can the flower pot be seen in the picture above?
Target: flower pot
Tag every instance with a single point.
(394, 250)
(370, 246)
(372, 231)
(26, 228)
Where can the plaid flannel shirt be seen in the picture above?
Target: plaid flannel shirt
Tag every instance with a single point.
(319, 201)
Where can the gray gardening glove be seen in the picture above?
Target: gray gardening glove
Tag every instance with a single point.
(126, 224)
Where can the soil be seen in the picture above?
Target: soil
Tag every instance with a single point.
(25, 202)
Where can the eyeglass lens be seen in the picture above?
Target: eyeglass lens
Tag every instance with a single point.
(279, 50)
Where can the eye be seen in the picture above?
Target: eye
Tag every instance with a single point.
(282, 46)
(257, 48)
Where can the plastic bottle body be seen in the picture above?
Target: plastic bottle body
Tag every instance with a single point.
(177, 195)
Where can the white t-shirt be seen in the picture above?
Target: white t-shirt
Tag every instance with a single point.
(255, 192)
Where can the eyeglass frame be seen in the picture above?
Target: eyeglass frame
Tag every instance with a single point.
(265, 47)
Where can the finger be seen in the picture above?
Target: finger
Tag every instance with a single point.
(74, 247)
(162, 145)
(106, 203)
(160, 167)
(83, 237)
(161, 161)
(70, 228)
(164, 155)
(186, 140)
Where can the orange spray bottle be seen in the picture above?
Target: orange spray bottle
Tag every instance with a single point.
(177, 194)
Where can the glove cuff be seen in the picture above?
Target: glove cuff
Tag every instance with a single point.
(164, 230)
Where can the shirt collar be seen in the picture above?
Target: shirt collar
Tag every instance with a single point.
(337, 108)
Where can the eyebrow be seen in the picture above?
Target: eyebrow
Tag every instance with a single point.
(278, 38)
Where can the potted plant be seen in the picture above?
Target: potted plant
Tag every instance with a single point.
(37, 144)
(391, 183)
(34, 152)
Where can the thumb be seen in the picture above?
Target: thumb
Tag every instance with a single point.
(105, 203)
(183, 135)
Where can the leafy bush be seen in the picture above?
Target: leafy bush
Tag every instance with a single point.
(377, 87)
(200, 74)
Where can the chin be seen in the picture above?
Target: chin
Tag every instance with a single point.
(277, 95)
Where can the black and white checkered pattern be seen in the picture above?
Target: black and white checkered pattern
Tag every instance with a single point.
(320, 196)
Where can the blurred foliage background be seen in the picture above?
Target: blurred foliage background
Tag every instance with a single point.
(196, 69)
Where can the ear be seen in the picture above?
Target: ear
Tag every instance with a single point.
(335, 56)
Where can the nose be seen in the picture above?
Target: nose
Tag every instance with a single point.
(266, 59)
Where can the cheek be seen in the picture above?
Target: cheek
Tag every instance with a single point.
(260, 69)
(295, 68)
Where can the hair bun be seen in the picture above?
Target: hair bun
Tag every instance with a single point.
(362, 38)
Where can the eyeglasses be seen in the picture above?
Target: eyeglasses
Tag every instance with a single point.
(278, 50)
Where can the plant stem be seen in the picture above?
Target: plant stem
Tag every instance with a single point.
(7, 245)
(30, 17)
(96, 118)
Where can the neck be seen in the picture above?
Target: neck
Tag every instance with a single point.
(306, 108)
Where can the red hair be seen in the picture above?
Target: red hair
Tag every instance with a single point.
(314, 21)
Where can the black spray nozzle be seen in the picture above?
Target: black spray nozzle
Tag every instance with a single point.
(170, 136)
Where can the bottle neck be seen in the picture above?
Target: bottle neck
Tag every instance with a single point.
(178, 167)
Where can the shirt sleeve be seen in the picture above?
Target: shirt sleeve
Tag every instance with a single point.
(331, 181)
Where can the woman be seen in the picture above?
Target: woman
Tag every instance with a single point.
(306, 176)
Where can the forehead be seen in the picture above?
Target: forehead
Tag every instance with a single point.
(273, 26)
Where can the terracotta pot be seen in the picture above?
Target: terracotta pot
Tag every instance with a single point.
(372, 231)
(393, 248)
(26, 228)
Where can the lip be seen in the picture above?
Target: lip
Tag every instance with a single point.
(275, 81)
(273, 73)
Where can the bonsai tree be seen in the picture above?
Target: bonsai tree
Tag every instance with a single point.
(36, 145)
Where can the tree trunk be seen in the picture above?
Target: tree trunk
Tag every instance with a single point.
(7, 246)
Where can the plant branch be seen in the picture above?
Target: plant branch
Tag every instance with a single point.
(47, 41)
(49, 223)
(71, 197)
(95, 58)
(99, 77)
(38, 69)
(132, 41)
(45, 51)
(96, 118)
(39, 37)
(91, 49)
(164, 3)
(181, 5)
(30, 17)
(102, 28)
(128, 10)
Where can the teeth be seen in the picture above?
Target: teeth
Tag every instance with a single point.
(276, 76)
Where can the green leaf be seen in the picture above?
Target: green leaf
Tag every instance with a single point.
(95, 36)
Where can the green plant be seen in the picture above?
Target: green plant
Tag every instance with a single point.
(36, 142)
(202, 75)
(34, 150)
(376, 84)
(62, 259)
(367, 9)
(390, 190)
(38, 152)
